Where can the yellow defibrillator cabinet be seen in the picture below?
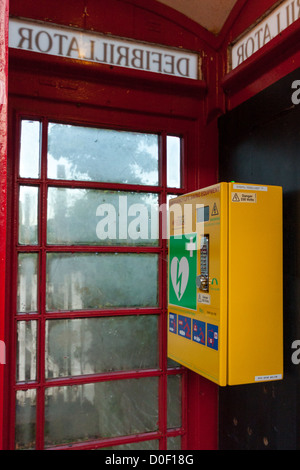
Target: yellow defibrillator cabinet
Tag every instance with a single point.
(225, 319)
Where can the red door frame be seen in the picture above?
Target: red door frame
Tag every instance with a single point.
(204, 405)
(3, 186)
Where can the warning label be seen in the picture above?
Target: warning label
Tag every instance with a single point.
(244, 197)
(215, 210)
(204, 299)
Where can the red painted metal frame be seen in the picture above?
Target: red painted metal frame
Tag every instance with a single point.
(266, 66)
(162, 373)
(3, 191)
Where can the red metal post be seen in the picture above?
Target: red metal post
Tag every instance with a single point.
(4, 5)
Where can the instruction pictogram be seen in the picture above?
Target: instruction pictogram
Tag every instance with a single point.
(213, 337)
(183, 271)
(173, 323)
(184, 326)
(199, 332)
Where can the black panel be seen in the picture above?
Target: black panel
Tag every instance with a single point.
(260, 144)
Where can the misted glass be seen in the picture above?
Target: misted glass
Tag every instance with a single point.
(173, 162)
(103, 155)
(174, 401)
(30, 149)
(174, 443)
(82, 281)
(28, 215)
(94, 345)
(101, 410)
(25, 427)
(27, 282)
(26, 350)
(92, 217)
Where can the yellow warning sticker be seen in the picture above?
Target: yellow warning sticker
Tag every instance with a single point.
(243, 197)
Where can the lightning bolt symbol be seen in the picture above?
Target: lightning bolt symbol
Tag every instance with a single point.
(179, 276)
(179, 279)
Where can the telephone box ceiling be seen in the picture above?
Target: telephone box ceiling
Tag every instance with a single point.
(211, 14)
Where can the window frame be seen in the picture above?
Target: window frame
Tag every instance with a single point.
(163, 371)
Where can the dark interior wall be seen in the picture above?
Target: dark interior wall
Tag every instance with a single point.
(260, 144)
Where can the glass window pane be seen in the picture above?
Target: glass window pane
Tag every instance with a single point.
(93, 345)
(28, 215)
(26, 350)
(174, 443)
(88, 154)
(27, 282)
(172, 364)
(30, 149)
(173, 162)
(101, 280)
(92, 217)
(99, 410)
(25, 419)
(174, 401)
